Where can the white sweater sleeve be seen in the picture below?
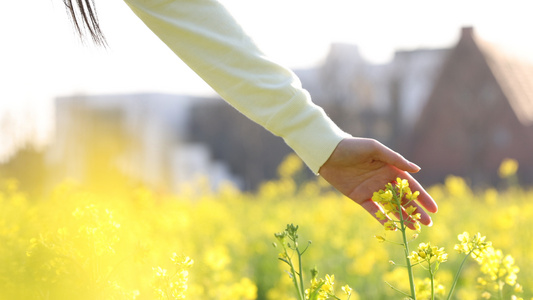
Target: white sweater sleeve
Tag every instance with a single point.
(207, 38)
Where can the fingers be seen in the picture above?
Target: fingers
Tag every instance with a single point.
(423, 204)
(393, 158)
(372, 208)
(363, 166)
(425, 219)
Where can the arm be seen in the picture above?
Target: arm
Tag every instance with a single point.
(207, 38)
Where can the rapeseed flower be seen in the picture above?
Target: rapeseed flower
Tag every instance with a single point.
(474, 246)
(321, 289)
(508, 168)
(428, 253)
(45, 254)
(173, 285)
(390, 198)
(498, 269)
(423, 288)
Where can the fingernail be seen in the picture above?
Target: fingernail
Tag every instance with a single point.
(415, 166)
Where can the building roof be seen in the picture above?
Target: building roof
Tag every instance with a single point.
(513, 73)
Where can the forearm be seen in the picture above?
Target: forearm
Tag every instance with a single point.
(207, 38)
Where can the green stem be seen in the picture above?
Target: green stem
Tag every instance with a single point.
(406, 247)
(431, 277)
(293, 272)
(302, 291)
(408, 261)
(399, 291)
(500, 286)
(456, 278)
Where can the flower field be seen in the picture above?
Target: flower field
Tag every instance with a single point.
(134, 243)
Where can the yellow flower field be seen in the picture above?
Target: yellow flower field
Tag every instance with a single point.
(134, 243)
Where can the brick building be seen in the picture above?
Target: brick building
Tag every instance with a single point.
(479, 112)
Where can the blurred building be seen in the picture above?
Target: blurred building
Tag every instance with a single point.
(479, 112)
(23, 124)
(142, 136)
(381, 101)
(457, 111)
(372, 100)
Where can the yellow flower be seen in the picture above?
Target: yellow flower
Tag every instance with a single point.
(508, 168)
(423, 288)
(322, 287)
(475, 245)
(173, 284)
(410, 209)
(380, 215)
(390, 225)
(181, 261)
(426, 252)
(388, 199)
(347, 290)
(518, 288)
(380, 238)
(413, 196)
(415, 258)
(382, 196)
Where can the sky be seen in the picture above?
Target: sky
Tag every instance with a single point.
(41, 57)
(41, 54)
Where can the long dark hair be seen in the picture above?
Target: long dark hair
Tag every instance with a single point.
(83, 16)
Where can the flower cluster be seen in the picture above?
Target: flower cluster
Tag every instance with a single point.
(474, 246)
(322, 288)
(98, 227)
(424, 288)
(66, 244)
(428, 253)
(392, 198)
(173, 285)
(498, 269)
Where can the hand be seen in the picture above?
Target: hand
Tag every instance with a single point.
(359, 167)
